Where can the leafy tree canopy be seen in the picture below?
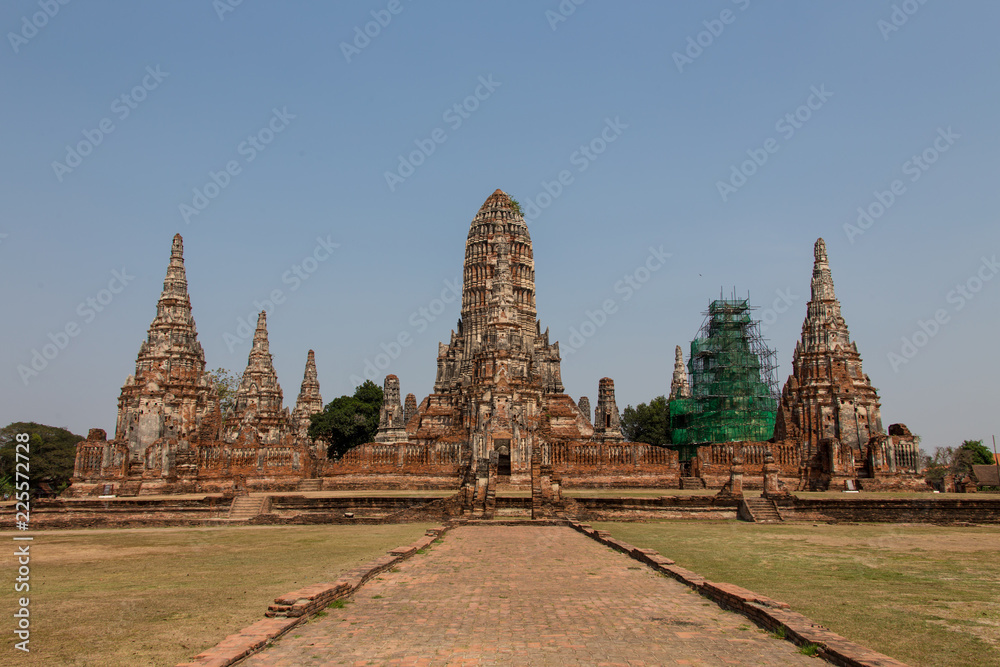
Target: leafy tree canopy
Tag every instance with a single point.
(227, 382)
(348, 421)
(957, 460)
(979, 454)
(51, 455)
(647, 423)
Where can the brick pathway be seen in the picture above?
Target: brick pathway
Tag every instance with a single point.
(523, 595)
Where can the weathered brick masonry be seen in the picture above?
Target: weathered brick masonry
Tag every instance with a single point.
(498, 400)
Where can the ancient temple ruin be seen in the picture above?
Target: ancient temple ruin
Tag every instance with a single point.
(170, 404)
(309, 401)
(499, 388)
(827, 426)
(391, 421)
(171, 435)
(259, 414)
(679, 386)
(499, 384)
(829, 407)
(498, 413)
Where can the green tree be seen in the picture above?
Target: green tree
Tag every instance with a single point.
(647, 423)
(227, 383)
(978, 453)
(51, 454)
(348, 421)
(957, 460)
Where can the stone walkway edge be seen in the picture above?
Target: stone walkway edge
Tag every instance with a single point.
(295, 607)
(767, 613)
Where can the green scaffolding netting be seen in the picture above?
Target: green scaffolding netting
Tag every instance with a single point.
(733, 383)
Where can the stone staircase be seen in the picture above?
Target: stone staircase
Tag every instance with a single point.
(130, 488)
(310, 485)
(692, 483)
(133, 482)
(247, 507)
(761, 510)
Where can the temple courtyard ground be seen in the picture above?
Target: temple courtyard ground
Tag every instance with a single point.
(924, 594)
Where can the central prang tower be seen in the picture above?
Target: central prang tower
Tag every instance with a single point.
(498, 384)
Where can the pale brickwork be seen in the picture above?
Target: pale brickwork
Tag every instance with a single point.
(259, 414)
(309, 401)
(499, 385)
(607, 420)
(498, 400)
(171, 401)
(170, 434)
(391, 422)
(679, 387)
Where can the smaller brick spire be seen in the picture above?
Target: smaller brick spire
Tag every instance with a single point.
(390, 421)
(309, 401)
(410, 408)
(607, 421)
(679, 387)
(258, 400)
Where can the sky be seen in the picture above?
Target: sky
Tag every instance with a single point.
(324, 161)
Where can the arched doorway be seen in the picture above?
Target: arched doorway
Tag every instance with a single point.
(502, 448)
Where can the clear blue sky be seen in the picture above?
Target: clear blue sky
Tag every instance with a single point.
(197, 87)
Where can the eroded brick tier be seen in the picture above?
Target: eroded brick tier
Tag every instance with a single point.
(499, 386)
(391, 421)
(827, 395)
(310, 401)
(498, 410)
(170, 404)
(259, 414)
(828, 405)
(607, 420)
(170, 434)
(679, 387)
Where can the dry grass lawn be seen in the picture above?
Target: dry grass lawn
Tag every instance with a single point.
(926, 595)
(159, 596)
